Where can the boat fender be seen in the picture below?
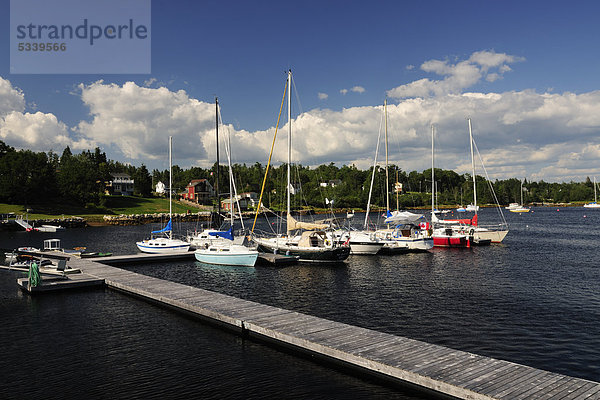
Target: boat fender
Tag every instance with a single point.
(471, 232)
(327, 242)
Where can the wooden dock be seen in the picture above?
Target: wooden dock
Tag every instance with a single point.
(54, 283)
(432, 368)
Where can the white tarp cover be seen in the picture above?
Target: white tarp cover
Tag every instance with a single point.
(402, 217)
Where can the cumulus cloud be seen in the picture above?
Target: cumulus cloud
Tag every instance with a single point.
(458, 76)
(550, 136)
(34, 131)
(343, 91)
(322, 96)
(11, 99)
(39, 131)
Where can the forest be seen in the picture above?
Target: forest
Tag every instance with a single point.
(27, 177)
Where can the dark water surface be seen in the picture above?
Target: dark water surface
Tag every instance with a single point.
(535, 300)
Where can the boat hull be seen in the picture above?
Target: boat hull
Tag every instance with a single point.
(242, 260)
(494, 236)
(592, 205)
(365, 248)
(307, 254)
(154, 247)
(451, 241)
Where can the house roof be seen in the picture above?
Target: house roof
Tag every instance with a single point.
(120, 175)
(195, 182)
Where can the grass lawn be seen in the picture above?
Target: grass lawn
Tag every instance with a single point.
(115, 205)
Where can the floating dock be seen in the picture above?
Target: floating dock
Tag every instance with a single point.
(431, 368)
(54, 283)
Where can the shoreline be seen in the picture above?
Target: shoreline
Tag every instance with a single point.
(143, 219)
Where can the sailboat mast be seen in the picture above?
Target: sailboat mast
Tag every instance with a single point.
(170, 182)
(432, 172)
(372, 179)
(387, 177)
(217, 138)
(473, 167)
(289, 161)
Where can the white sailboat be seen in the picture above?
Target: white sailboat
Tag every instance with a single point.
(165, 243)
(223, 251)
(402, 234)
(519, 208)
(594, 204)
(316, 243)
(495, 234)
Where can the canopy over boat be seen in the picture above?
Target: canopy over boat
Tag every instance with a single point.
(402, 217)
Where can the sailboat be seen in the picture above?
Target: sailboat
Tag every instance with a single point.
(224, 251)
(519, 208)
(316, 243)
(594, 204)
(165, 243)
(480, 234)
(494, 234)
(206, 237)
(402, 233)
(444, 236)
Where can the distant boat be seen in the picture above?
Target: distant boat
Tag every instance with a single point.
(166, 243)
(472, 207)
(518, 208)
(594, 204)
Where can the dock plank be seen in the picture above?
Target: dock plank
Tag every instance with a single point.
(446, 371)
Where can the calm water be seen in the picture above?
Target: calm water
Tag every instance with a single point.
(534, 300)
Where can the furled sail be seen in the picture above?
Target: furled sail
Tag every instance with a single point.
(293, 224)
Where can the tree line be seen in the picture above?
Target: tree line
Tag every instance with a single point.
(27, 177)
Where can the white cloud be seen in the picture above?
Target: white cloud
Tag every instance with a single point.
(487, 65)
(322, 96)
(550, 136)
(11, 99)
(355, 89)
(39, 131)
(149, 82)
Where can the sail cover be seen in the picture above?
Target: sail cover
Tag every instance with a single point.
(167, 228)
(224, 234)
(293, 224)
(402, 217)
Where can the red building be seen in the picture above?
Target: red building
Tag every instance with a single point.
(199, 191)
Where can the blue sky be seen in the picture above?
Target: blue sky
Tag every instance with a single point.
(525, 72)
